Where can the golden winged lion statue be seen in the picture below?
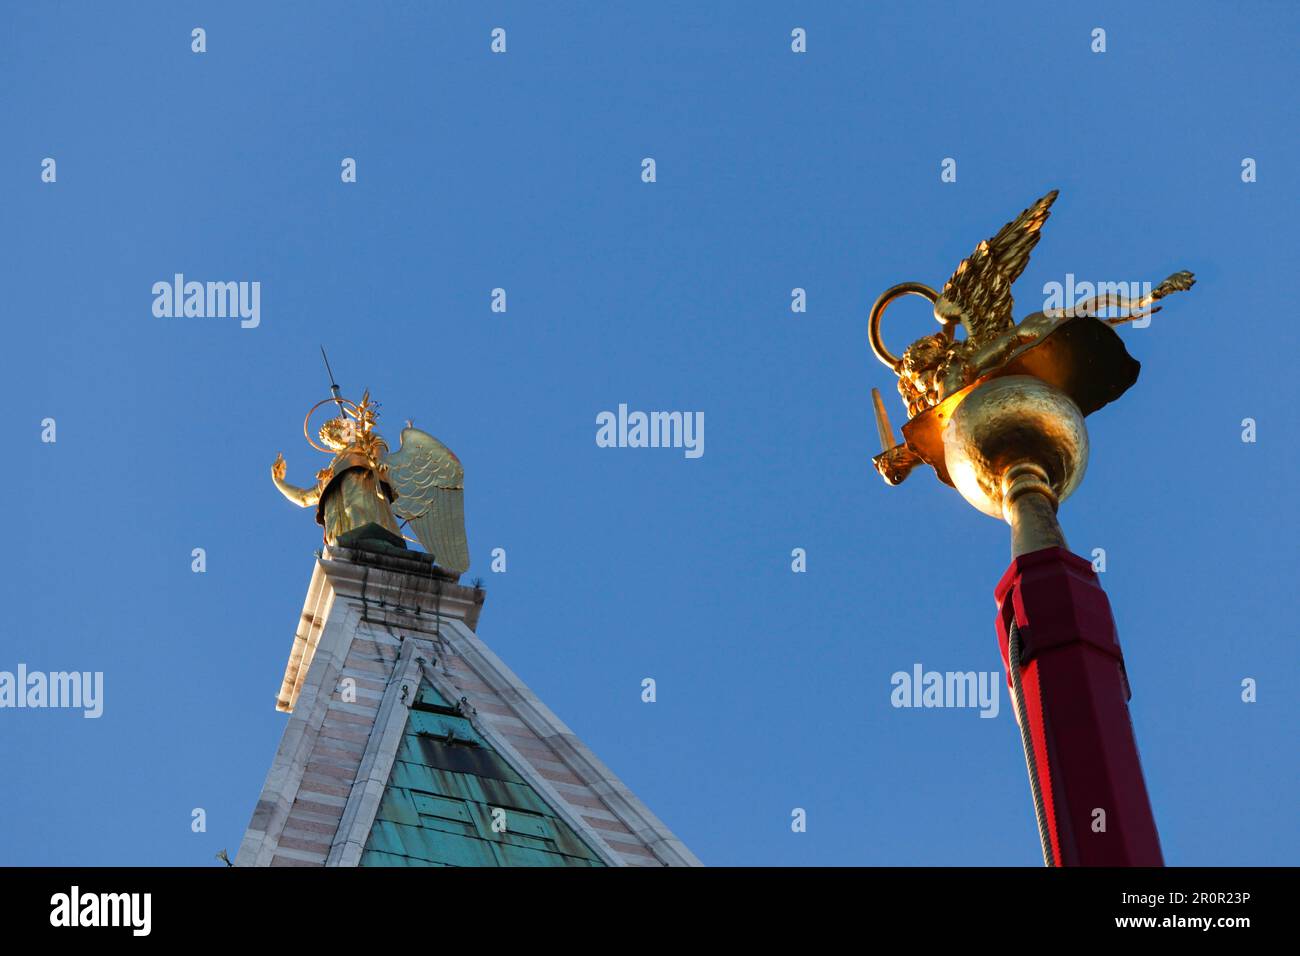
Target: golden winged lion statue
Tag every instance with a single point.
(364, 491)
(1073, 348)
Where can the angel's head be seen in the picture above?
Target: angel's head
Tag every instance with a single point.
(338, 433)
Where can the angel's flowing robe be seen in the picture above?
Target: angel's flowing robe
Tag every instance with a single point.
(353, 498)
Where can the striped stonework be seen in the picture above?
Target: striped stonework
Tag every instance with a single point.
(406, 732)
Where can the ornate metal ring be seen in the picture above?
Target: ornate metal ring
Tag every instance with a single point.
(878, 310)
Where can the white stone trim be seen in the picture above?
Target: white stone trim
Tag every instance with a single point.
(377, 761)
(315, 612)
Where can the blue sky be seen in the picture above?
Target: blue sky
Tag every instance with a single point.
(522, 171)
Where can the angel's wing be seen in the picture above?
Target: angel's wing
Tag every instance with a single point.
(980, 289)
(430, 486)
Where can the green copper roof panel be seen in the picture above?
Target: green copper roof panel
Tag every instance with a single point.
(427, 697)
(437, 809)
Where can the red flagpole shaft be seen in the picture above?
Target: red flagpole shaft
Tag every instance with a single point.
(1076, 701)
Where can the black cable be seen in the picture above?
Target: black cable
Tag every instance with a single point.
(1027, 740)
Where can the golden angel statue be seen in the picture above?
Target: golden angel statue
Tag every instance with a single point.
(363, 492)
(1071, 348)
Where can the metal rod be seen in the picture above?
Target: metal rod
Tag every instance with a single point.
(334, 389)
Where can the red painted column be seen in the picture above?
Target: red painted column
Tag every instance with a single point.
(1076, 700)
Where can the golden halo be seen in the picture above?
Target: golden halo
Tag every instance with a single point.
(341, 402)
(878, 310)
